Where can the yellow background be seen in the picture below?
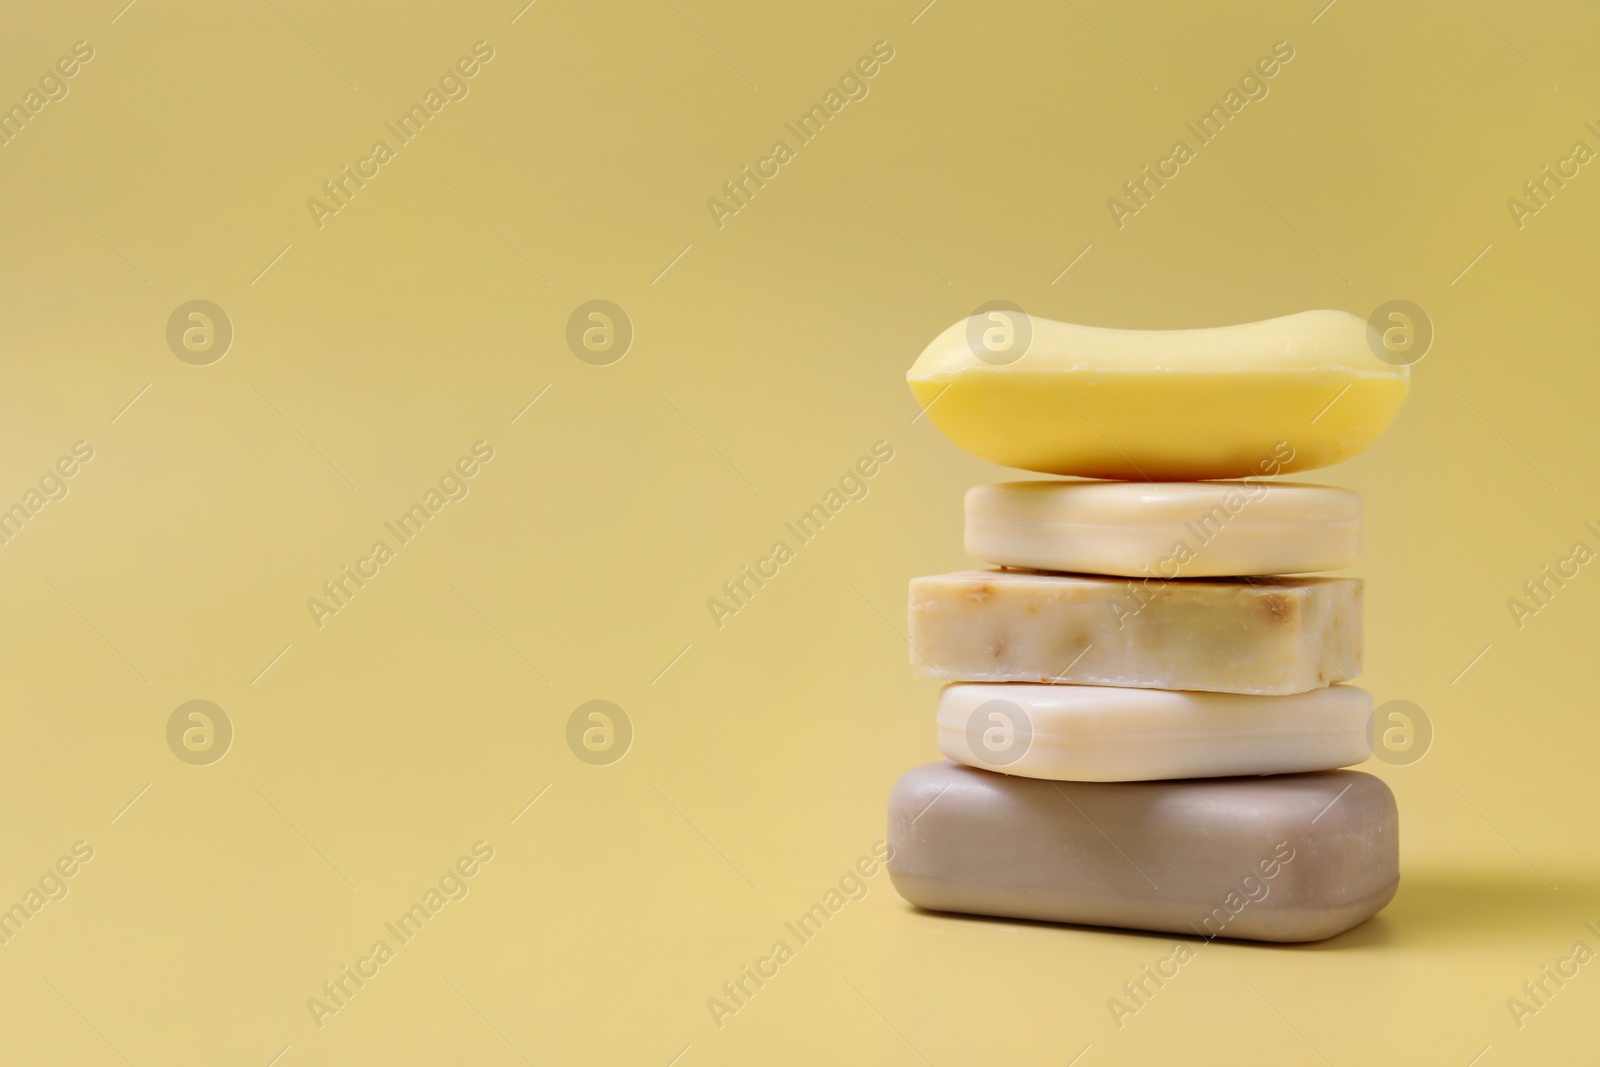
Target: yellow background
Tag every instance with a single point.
(770, 356)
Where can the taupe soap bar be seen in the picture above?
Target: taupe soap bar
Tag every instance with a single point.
(1220, 635)
(1296, 857)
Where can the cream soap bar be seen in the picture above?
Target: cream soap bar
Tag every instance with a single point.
(1288, 858)
(1164, 529)
(1288, 394)
(1223, 635)
(1090, 733)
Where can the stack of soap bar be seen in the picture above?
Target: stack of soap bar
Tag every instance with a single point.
(1147, 644)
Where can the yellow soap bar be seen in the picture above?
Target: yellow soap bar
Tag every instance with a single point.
(1261, 398)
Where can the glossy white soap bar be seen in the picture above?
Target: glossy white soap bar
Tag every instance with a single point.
(1092, 733)
(1222, 635)
(1164, 529)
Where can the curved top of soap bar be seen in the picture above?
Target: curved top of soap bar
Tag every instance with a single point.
(1305, 340)
(1260, 398)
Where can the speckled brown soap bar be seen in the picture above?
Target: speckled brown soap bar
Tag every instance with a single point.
(1293, 857)
(1221, 635)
